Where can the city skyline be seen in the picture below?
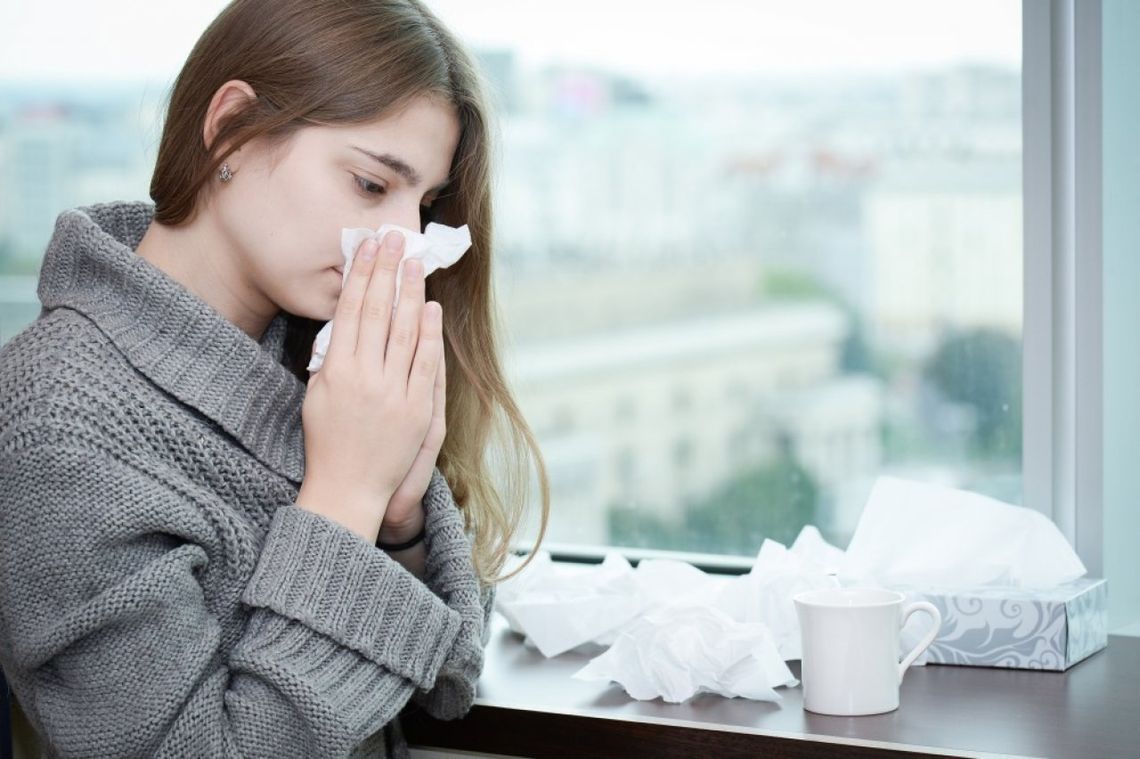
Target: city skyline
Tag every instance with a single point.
(617, 194)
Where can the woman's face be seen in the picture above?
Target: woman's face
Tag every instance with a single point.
(285, 215)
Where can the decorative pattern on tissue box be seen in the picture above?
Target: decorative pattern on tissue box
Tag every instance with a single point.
(1024, 629)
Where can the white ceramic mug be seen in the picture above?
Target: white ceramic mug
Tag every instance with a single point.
(850, 640)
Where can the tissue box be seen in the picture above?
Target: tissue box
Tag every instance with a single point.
(1024, 629)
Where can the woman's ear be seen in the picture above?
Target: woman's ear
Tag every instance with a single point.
(229, 98)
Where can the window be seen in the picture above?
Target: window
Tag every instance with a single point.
(800, 235)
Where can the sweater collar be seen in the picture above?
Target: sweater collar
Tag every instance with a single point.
(173, 337)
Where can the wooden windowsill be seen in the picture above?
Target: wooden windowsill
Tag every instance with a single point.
(528, 705)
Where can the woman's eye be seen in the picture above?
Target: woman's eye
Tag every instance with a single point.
(369, 188)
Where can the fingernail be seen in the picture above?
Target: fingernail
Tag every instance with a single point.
(368, 250)
(413, 268)
(395, 240)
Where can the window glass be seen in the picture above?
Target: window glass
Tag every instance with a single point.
(791, 231)
(750, 255)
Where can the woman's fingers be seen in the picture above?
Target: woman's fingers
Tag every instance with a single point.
(375, 323)
(424, 383)
(405, 331)
(437, 429)
(351, 302)
(441, 380)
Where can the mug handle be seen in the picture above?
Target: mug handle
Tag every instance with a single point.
(923, 644)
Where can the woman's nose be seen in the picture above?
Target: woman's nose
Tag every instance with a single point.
(406, 216)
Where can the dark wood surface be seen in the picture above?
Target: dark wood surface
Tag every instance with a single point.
(528, 705)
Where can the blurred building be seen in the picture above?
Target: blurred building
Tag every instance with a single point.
(40, 145)
(19, 305)
(656, 415)
(61, 149)
(945, 241)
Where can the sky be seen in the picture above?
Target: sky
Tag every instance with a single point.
(124, 40)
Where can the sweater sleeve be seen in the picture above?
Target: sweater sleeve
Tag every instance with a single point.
(450, 574)
(114, 649)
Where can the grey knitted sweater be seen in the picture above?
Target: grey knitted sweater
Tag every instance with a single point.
(160, 593)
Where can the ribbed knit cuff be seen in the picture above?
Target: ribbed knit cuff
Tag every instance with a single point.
(323, 575)
(449, 572)
(448, 568)
(347, 695)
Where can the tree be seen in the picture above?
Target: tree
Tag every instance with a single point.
(782, 284)
(636, 527)
(982, 369)
(773, 500)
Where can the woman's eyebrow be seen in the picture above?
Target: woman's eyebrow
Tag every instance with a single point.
(400, 167)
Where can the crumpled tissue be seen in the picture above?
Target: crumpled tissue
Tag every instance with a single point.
(678, 651)
(673, 630)
(559, 609)
(765, 593)
(913, 533)
(438, 246)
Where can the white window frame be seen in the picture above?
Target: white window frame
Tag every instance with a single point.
(1062, 466)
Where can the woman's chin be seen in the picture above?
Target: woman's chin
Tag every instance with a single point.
(316, 308)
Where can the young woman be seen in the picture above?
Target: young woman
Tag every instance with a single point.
(203, 550)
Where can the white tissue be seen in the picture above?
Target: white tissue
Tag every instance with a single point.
(558, 610)
(765, 593)
(911, 533)
(672, 629)
(676, 652)
(439, 246)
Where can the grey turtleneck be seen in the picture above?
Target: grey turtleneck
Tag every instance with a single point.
(160, 593)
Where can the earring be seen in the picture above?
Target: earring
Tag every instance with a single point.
(224, 173)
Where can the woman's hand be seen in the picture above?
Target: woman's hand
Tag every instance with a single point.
(368, 410)
(405, 515)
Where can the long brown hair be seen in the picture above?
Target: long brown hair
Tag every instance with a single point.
(329, 62)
